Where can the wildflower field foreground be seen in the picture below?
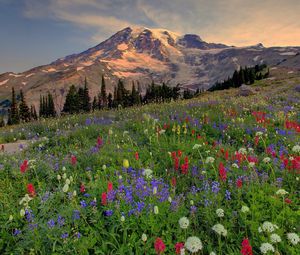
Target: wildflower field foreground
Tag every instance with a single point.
(218, 174)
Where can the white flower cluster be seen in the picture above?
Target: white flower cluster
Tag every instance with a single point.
(296, 148)
(242, 151)
(267, 227)
(184, 222)
(144, 237)
(235, 165)
(259, 133)
(209, 160)
(293, 238)
(148, 173)
(67, 181)
(281, 192)
(275, 238)
(193, 244)
(267, 160)
(245, 209)
(266, 247)
(25, 200)
(220, 212)
(197, 146)
(219, 229)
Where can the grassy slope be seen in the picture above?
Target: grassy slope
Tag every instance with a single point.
(133, 130)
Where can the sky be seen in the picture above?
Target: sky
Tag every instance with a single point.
(37, 32)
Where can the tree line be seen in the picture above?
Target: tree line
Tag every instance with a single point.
(246, 75)
(78, 100)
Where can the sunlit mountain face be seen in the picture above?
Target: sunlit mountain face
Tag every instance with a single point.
(143, 54)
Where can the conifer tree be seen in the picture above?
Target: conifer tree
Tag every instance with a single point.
(41, 107)
(103, 94)
(80, 95)
(110, 101)
(95, 104)
(71, 103)
(50, 106)
(86, 105)
(9, 120)
(23, 109)
(115, 98)
(135, 97)
(14, 111)
(33, 114)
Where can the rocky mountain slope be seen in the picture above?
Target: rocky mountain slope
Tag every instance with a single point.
(142, 54)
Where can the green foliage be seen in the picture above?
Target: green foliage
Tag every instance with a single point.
(246, 75)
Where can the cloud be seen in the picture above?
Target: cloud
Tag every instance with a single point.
(235, 22)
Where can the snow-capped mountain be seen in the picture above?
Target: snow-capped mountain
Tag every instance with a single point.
(143, 54)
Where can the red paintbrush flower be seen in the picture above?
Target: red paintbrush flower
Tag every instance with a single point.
(73, 160)
(287, 201)
(82, 188)
(30, 190)
(178, 247)
(226, 154)
(246, 247)
(222, 172)
(104, 198)
(176, 163)
(173, 181)
(159, 246)
(109, 186)
(179, 152)
(99, 141)
(184, 168)
(136, 155)
(24, 166)
(239, 183)
(256, 140)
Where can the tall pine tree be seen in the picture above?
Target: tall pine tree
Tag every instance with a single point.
(86, 105)
(71, 103)
(50, 106)
(23, 109)
(13, 116)
(103, 94)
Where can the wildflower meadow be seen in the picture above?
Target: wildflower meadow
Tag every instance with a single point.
(217, 174)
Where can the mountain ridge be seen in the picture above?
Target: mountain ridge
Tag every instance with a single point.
(145, 54)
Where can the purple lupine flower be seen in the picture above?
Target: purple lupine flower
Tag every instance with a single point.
(60, 220)
(194, 171)
(227, 195)
(56, 166)
(108, 213)
(140, 206)
(83, 204)
(207, 202)
(32, 226)
(45, 197)
(51, 223)
(93, 203)
(193, 209)
(111, 195)
(29, 215)
(76, 215)
(78, 235)
(215, 187)
(64, 235)
(16, 232)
